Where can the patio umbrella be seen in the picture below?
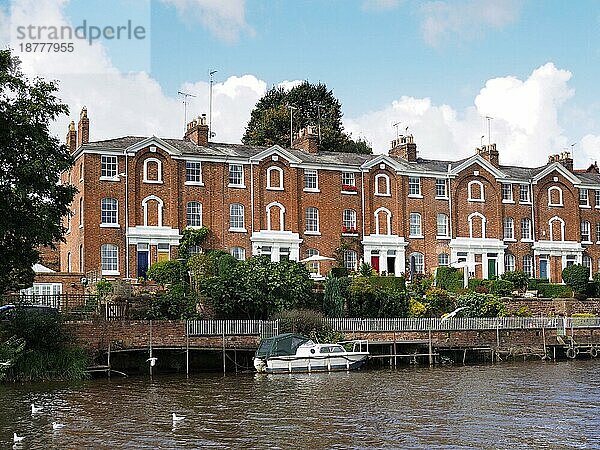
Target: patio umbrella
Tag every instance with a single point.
(316, 258)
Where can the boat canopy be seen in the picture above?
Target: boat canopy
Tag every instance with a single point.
(280, 345)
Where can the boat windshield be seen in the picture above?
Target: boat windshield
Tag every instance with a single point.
(331, 349)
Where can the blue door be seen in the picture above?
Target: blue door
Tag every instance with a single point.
(544, 268)
(142, 263)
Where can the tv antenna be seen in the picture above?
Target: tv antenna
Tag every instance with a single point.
(395, 125)
(185, 102)
(210, 97)
(489, 121)
(292, 108)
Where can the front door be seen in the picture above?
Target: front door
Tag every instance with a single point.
(544, 269)
(375, 263)
(391, 263)
(491, 268)
(142, 263)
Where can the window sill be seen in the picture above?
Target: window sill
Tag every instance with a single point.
(350, 234)
(115, 178)
(509, 240)
(269, 188)
(443, 238)
(236, 186)
(315, 190)
(527, 241)
(312, 233)
(377, 194)
(559, 205)
(476, 200)
(110, 225)
(528, 202)
(508, 201)
(415, 195)
(597, 206)
(585, 206)
(111, 272)
(587, 242)
(350, 192)
(238, 230)
(441, 198)
(152, 181)
(193, 227)
(194, 183)
(415, 236)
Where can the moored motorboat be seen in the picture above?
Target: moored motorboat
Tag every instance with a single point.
(286, 353)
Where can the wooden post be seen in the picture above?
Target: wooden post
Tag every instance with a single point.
(430, 350)
(224, 366)
(187, 349)
(544, 339)
(395, 350)
(150, 348)
(108, 359)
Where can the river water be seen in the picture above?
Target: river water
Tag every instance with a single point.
(509, 405)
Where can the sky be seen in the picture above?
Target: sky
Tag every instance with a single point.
(437, 67)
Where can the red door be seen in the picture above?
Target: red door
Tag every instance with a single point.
(375, 263)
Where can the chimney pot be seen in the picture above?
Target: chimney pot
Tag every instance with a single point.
(307, 140)
(404, 147)
(83, 128)
(197, 131)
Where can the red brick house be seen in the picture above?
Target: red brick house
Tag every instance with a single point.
(399, 212)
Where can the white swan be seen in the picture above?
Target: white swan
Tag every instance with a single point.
(36, 409)
(57, 426)
(452, 314)
(152, 361)
(177, 418)
(17, 439)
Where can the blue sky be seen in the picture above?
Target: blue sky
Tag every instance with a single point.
(426, 64)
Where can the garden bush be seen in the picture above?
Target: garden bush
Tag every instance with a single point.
(438, 302)
(307, 323)
(166, 272)
(371, 300)
(550, 290)
(449, 278)
(481, 305)
(533, 283)
(333, 302)
(517, 277)
(577, 277)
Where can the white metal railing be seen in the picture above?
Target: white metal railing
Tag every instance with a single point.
(262, 328)
(268, 328)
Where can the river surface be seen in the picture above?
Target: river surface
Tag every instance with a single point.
(507, 406)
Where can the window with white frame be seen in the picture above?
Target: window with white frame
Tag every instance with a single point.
(414, 186)
(350, 259)
(69, 263)
(441, 188)
(108, 166)
(585, 231)
(349, 221)
(275, 178)
(525, 229)
(597, 232)
(81, 171)
(236, 175)
(415, 225)
(69, 214)
(348, 182)
(528, 265)
(236, 217)
(238, 253)
(193, 172)
(109, 259)
(583, 197)
(152, 170)
(417, 262)
(524, 196)
(509, 228)
(597, 198)
(555, 196)
(476, 191)
(313, 267)
(312, 220)
(507, 192)
(509, 262)
(382, 184)
(443, 259)
(442, 225)
(194, 250)
(194, 214)
(311, 182)
(586, 261)
(557, 229)
(109, 211)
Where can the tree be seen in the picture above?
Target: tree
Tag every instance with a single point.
(333, 302)
(31, 198)
(270, 119)
(577, 277)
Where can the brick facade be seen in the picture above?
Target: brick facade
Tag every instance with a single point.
(399, 212)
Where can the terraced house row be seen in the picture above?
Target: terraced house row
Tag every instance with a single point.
(399, 212)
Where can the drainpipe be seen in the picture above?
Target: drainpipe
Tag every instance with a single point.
(450, 204)
(362, 195)
(533, 233)
(126, 215)
(252, 198)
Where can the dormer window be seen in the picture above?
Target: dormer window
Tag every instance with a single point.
(382, 185)
(476, 192)
(152, 170)
(584, 200)
(275, 178)
(555, 196)
(507, 193)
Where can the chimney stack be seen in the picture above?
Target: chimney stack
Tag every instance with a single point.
(489, 153)
(83, 128)
(564, 158)
(197, 131)
(593, 168)
(404, 147)
(71, 140)
(307, 140)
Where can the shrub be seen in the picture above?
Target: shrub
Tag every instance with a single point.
(419, 285)
(481, 305)
(416, 308)
(533, 283)
(192, 237)
(449, 278)
(501, 288)
(398, 283)
(307, 323)
(523, 311)
(339, 272)
(333, 302)
(438, 301)
(104, 289)
(371, 300)
(576, 276)
(166, 272)
(517, 277)
(474, 283)
(593, 289)
(365, 270)
(550, 290)
(178, 303)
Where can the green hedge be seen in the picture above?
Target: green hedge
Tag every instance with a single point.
(551, 290)
(397, 283)
(593, 289)
(502, 288)
(339, 272)
(533, 283)
(449, 278)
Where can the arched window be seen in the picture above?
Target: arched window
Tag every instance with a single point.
(528, 265)
(382, 185)
(442, 225)
(236, 217)
(148, 213)
(383, 221)
(415, 229)
(313, 267)
(152, 170)
(509, 228)
(555, 196)
(525, 229)
(586, 231)
(274, 221)
(312, 220)
(238, 253)
(509, 262)
(473, 232)
(69, 263)
(275, 178)
(586, 261)
(557, 229)
(109, 259)
(350, 259)
(109, 214)
(81, 171)
(194, 214)
(443, 259)
(476, 191)
(417, 264)
(349, 221)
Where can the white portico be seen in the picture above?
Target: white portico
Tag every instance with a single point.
(488, 252)
(385, 253)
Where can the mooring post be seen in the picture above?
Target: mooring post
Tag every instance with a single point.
(187, 349)
(224, 350)
(151, 348)
(430, 350)
(395, 350)
(544, 341)
(108, 359)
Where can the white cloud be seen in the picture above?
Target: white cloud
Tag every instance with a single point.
(525, 124)
(289, 85)
(466, 19)
(226, 19)
(588, 150)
